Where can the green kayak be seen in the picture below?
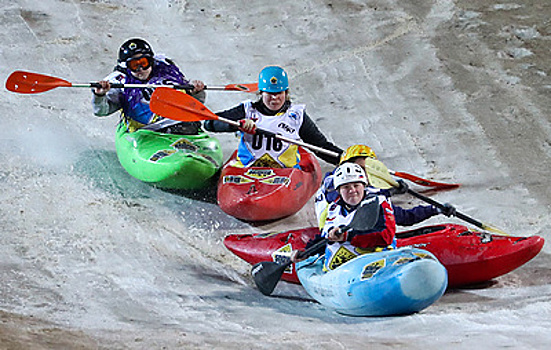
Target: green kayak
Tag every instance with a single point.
(167, 160)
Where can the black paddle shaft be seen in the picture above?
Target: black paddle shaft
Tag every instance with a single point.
(441, 206)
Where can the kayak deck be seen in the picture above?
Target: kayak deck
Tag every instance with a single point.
(470, 256)
(262, 194)
(394, 282)
(167, 160)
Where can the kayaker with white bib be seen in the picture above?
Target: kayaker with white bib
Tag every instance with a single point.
(352, 186)
(138, 64)
(351, 181)
(274, 113)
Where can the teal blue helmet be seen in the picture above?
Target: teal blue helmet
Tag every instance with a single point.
(273, 79)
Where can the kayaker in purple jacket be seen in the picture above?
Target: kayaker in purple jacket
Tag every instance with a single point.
(275, 113)
(137, 64)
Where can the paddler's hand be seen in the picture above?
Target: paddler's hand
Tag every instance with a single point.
(105, 86)
(295, 256)
(400, 189)
(198, 86)
(336, 235)
(247, 125)
(448, 210)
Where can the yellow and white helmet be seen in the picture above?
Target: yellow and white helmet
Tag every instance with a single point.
(357, 151)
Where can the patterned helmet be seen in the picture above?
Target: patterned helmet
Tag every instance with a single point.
(348, 173)
(132, 47)
(273, 79)
(357, 151)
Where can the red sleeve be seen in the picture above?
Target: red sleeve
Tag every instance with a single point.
(384, 232)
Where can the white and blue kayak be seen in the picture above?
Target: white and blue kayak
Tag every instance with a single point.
(394, 282)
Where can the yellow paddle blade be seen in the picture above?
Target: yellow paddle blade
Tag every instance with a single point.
(378, 174)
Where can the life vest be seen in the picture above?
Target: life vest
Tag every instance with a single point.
(380, 237)
(262, 149)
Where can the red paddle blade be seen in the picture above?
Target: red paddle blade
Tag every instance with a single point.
(253, 87)
(177, 105)
(424, 182)
(33, 83)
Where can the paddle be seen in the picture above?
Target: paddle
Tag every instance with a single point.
(266, 274)
(32, 83)
(179, 106)
(378, 169)
(173, 104)
(423, 182)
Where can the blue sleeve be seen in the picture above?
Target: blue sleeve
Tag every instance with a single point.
(385, 192)
(408, 217)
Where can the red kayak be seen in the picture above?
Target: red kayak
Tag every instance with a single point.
(261, 194)
(470, 256)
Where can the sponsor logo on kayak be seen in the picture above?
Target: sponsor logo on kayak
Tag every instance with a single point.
(184, 145)
(371, 269)
(278, 180)
(161, 154)
(341, 256)
(403, 261)
(236, 179)
(282, 256)
(266, 176)
(416, 256)
(424, 256)
(259, 173)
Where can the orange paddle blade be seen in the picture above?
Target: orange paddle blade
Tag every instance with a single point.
(253, 87)
(32, 83)
(177, 105)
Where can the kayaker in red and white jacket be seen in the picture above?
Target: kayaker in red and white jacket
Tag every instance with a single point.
(350, 181)
(357, 154)
(275, 113)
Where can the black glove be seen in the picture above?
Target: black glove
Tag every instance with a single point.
(447, 209)
(400, 189)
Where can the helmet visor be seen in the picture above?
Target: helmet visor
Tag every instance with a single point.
(143, 62)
